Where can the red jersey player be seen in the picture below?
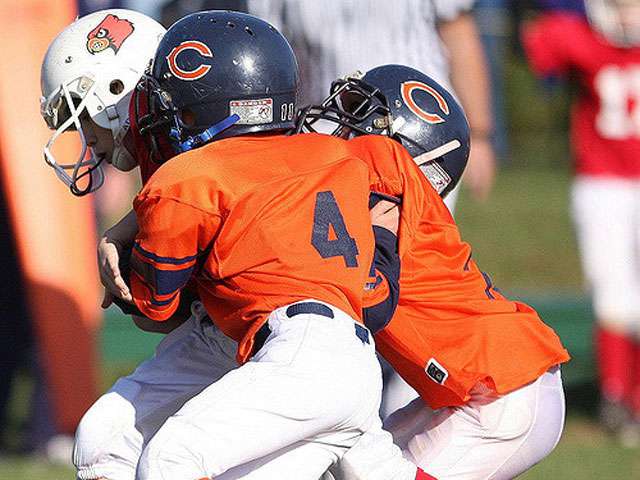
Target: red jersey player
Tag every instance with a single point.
(602, 54)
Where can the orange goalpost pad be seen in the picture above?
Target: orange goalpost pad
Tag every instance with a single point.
(55, 231)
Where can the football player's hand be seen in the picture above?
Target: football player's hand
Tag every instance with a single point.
(109, 252)
(481, 169)
(386, 214)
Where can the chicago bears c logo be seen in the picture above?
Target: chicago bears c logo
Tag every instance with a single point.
(407, 89)
(196, 73)
(111, 32)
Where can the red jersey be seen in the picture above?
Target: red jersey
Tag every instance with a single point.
(259, 222)
(138, 147)
(605, 122)
(451, 328)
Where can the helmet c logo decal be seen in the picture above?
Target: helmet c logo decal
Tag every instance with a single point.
(196, 73)
(407, 89)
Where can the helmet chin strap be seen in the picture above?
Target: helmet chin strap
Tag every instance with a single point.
(96, 179)
(92, 165)
(437, 176)
(438, 152)
(195, 141)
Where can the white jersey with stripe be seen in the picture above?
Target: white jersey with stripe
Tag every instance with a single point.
(336, 37)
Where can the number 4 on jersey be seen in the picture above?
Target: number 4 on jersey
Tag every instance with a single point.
(327, 217)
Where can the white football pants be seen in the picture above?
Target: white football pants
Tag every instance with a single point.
(115, 431)
(302, 401)
(490, 437)
(112, 434)
(606, 213)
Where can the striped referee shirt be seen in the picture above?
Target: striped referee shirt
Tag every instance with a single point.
(333, 38)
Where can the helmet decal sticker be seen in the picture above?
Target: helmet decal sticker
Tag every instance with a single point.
(252, 112)
(111, 32)
(198, 72)
(407, 89)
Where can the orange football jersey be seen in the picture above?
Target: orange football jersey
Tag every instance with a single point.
(451, 328)
(259, 222)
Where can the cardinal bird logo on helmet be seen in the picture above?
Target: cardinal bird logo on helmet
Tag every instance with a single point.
(111, 32)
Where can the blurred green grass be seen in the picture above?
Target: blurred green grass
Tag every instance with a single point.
(587, 452)
(26, 468)
(522, 236)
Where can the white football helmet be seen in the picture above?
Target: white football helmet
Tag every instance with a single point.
(94, 64)
(617, 20)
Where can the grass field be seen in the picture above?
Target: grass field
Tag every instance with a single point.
(587, 453)
(522, 236)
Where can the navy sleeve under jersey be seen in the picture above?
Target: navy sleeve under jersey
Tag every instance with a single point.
(385, 272)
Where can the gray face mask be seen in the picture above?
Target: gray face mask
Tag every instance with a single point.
(87, 169)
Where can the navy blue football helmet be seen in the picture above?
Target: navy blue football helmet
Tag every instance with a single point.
(406, 105)
(217, 74)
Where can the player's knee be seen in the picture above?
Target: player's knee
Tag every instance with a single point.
(106, 439)
(173, 452)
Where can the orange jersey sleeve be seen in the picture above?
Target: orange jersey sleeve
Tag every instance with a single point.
(172, 236)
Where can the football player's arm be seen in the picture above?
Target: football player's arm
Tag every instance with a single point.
(172, 238)
(382, 292)
(400, 177)
(115, 244)
(470, 79)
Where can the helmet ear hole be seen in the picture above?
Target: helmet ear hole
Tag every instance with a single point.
(116, 87)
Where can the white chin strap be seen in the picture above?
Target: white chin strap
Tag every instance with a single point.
(84, 165)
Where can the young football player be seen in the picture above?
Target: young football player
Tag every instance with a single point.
(602, 55)
(88, 76)
(288, 288)
(113, 433)
(487, 366)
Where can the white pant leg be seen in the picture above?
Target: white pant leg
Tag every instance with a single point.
(545, 431)
(314, 381)
(396, 393)
(374, 457)
(606, 213)
(491, 438)
(113, 432)
(297, 458)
